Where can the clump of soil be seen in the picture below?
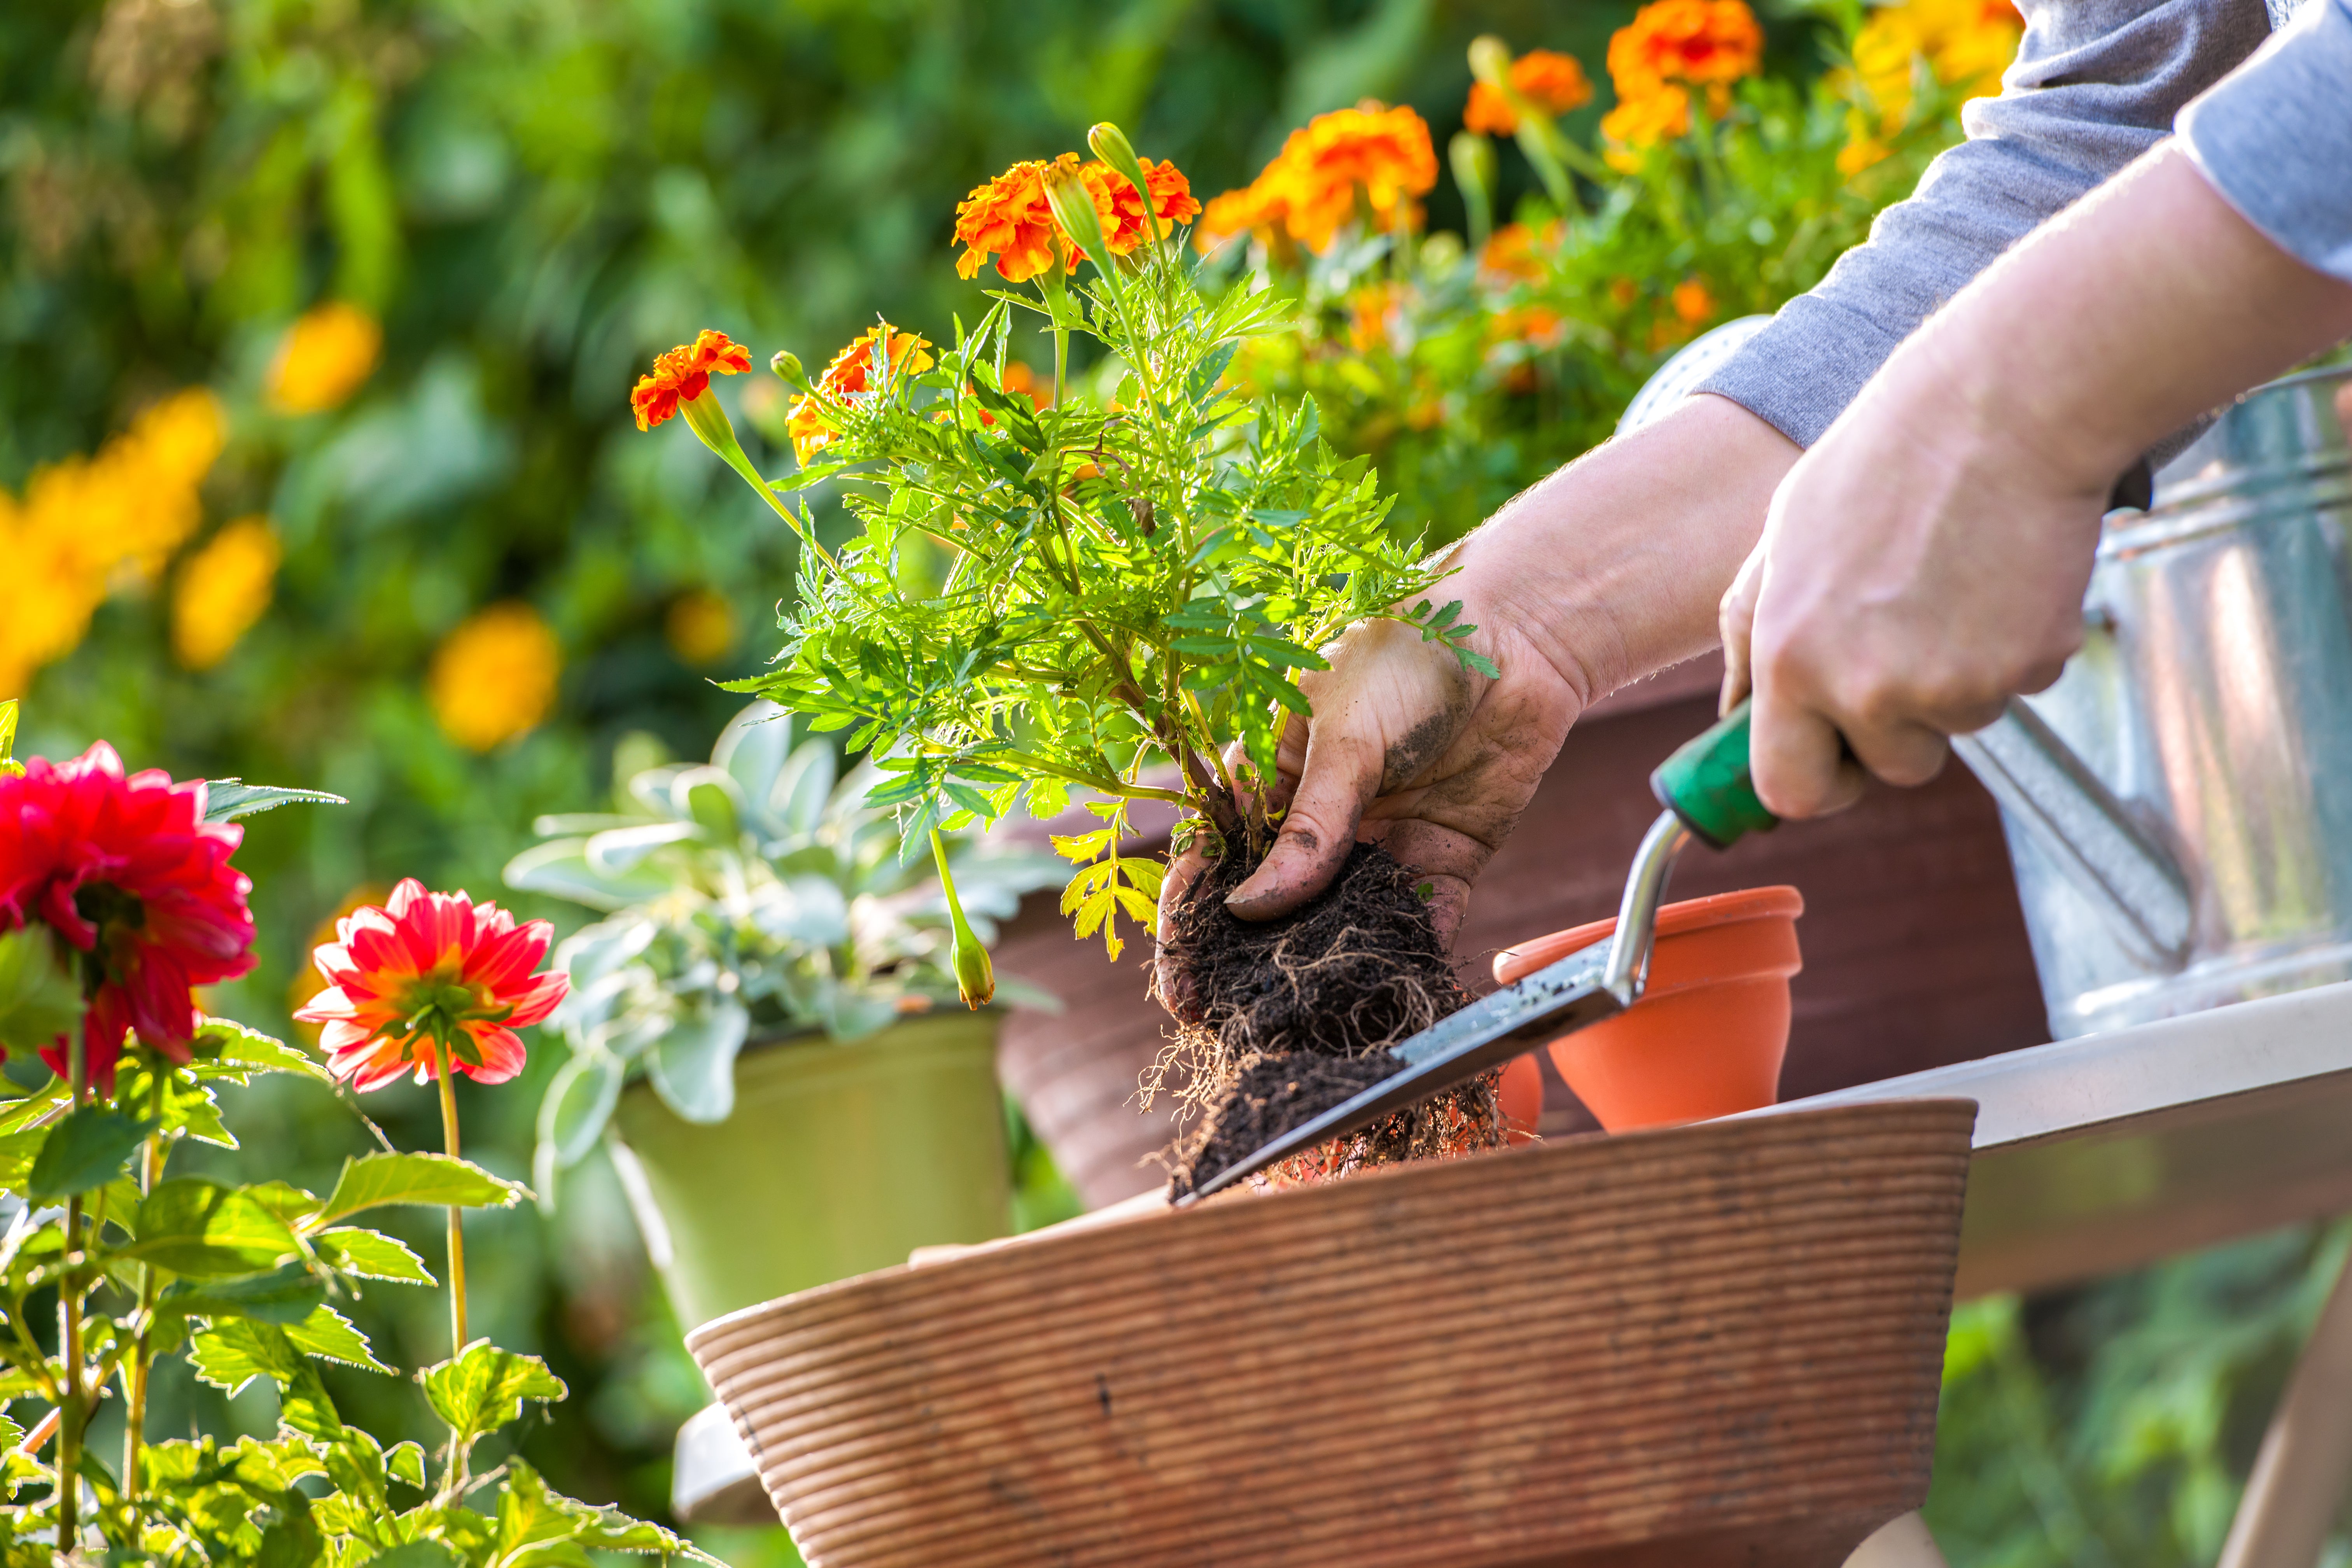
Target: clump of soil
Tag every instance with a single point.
(1291, 1017)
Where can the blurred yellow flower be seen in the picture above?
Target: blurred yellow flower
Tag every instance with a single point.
(223, 589)
(88, 525)
(699, 626)
(1967, 43)
(494, 677)
(323, 359)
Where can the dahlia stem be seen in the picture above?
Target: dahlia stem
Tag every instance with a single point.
(442, 1057)
(135, 1370)
(72, 1416)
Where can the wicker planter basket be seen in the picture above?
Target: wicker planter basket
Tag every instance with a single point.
(1713, 1344)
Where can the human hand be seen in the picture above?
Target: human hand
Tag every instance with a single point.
(1927, 559)
(1605, 572)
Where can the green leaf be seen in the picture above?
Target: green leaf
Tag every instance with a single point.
(84, 1151)
(226, 800)
(227, 1042)
(288, 1294)
(416, 1554)
(8, 731)
(538, 1528)
(560, 868)
(370, 1255)
(231, 1354)
(692, 1066)
(190, 1225)
(371, 1181)
(328, 1335)
(406, 1462)
(40, 999)
(484, 1388)
(580, 1102)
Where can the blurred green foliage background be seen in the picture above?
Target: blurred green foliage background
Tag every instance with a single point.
(533, 196)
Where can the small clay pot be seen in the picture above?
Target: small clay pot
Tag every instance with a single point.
(1707, 1036)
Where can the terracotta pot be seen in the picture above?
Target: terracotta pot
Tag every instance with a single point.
(1520, 1095)
(1707, 1036)
(1713, 1347)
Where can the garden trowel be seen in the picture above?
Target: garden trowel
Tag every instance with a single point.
(1708, 795)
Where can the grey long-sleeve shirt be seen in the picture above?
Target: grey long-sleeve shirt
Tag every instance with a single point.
(2095, 84)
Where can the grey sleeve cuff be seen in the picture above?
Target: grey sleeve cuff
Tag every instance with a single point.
(2095, 84)
(2275, 138)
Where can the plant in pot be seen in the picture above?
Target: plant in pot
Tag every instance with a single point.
(766, 1019)
(1111, 593)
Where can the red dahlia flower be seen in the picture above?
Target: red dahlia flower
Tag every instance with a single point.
(428, 971)
(129, 872)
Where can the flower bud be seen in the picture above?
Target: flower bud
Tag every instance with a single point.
(975, 976)
(1074, 210)
(787, 366)
(1110, 145)
(1490, 61)
(1473, 157)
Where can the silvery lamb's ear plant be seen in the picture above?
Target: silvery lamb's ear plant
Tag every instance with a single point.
(756, 894)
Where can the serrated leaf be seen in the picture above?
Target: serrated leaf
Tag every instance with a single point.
(373, 1181)
(225, 1042)
(485, 1387)
(85, 1149)
(230, 1354)
(226, 800)
(414, 1553)
(370, 1255)
(406, 1462)
(192, 1226)
(328, 1335)
(285, 1295)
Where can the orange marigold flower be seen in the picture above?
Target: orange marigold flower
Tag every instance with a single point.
(1511, 250)
(1370, 311)
(1010, 219)
(1551, 80)
(850, 374)
(1693, 302)
(682, 373)
(1707, 43)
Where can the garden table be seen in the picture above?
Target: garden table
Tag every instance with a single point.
(2109, 1152)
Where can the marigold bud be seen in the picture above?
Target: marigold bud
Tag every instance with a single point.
(975, 976)
(1473, 157)
(1110, 145)
(1490, 60)
(787, 366)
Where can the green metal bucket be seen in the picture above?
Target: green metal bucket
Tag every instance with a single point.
(839, 1160)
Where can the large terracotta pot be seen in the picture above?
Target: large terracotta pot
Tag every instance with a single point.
(1699, 1347)
(839, 1160)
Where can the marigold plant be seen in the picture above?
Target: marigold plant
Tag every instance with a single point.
(1105, 593)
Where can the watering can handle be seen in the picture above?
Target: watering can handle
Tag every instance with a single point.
(2108, 856)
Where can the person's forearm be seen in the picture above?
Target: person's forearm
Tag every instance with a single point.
(1613, 568)
(2173, 303)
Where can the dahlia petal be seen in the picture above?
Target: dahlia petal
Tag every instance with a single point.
(500, 1051)
(534, 1004)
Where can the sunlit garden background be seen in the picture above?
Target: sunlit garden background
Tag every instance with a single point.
(318, 325)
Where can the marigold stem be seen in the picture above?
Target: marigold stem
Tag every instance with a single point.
(441, 1059)
(72, 1414)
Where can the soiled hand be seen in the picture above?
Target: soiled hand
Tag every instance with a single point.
(1608, 571)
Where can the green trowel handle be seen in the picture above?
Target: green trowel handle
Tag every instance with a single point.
(1706, 783)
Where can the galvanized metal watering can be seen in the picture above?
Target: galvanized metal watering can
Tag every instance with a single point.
(2179, 806)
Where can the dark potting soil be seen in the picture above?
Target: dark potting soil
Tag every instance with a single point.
(1294, 1015)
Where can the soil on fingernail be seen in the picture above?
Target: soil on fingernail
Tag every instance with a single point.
(1291, 1017)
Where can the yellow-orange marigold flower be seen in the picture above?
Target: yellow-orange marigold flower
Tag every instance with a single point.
(681, 374)
(324, 357)
(1967, 44)
(699, 626)
(223, 589)
(851, 372)
(1551, 80)
(1655, 116)
(1511, 251)
(494, 677)
(1380, 156)
(1702, 43)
